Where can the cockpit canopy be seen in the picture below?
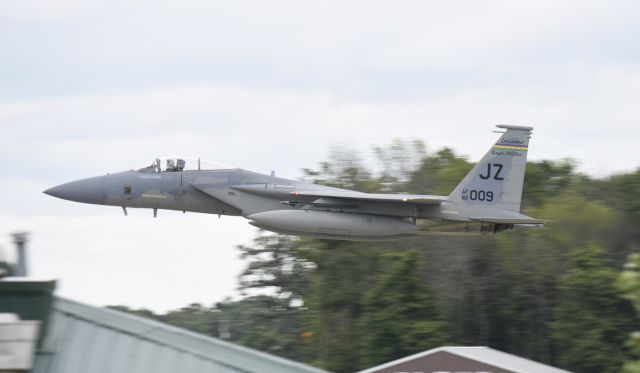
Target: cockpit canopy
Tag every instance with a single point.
(179, 164)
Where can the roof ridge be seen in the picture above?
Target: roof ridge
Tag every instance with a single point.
(153, 330)
(460, 351)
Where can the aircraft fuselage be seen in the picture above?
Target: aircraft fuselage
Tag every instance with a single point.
(487, 200)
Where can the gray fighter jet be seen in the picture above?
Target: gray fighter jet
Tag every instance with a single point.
(486, 201)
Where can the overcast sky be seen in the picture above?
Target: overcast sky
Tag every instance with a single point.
(90, 87)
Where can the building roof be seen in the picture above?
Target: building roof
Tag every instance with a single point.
(83, 338)
(484, 355)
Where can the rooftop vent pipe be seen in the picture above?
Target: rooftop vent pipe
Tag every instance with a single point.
(20, 239)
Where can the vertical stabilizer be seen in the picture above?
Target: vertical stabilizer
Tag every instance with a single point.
(496, 181)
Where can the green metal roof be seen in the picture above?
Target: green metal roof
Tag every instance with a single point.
(87, 339)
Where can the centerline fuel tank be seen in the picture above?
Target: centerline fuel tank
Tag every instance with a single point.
(337, 224)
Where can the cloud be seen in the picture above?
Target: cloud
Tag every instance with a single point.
(71, 137)
(161, 263)
(347, 47)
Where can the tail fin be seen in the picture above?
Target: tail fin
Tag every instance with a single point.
(496, 181)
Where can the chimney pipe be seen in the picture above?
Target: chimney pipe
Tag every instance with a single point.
(20, 239)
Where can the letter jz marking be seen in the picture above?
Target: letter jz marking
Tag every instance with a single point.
(496, 176)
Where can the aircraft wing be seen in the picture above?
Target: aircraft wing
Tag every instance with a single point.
(220, 195)
(371, 197)
(523, 220)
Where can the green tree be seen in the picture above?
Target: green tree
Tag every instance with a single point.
(276, 265)
(629, 284)
(344, 169)
(272, 316)
(265, 323)
(439, 173)
(345, 272)
(545, 180)
(399, 160)
(400, 314)
(195, 317)
(592, 320)
(622, 193)
(142, 312)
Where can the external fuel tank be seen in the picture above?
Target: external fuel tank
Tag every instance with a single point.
(331, 223)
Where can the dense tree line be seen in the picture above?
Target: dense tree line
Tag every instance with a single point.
(546, 294)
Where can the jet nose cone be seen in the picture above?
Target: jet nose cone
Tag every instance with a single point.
(89, 190)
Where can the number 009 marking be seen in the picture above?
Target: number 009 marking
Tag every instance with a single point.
(480, 195)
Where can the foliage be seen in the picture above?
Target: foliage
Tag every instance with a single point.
(439, 173)
(400, 316)
(344, 169)
(275, 263)
(399, 159)
(592, 321)
(194, 317)
(265, 323)
(345, 272)
(546, 179)
(142, 312)
(629, 284)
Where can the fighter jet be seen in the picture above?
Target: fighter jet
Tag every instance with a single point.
(486, 201)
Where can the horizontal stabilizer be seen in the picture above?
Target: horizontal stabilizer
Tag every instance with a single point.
(373, 197)
(523, 220)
